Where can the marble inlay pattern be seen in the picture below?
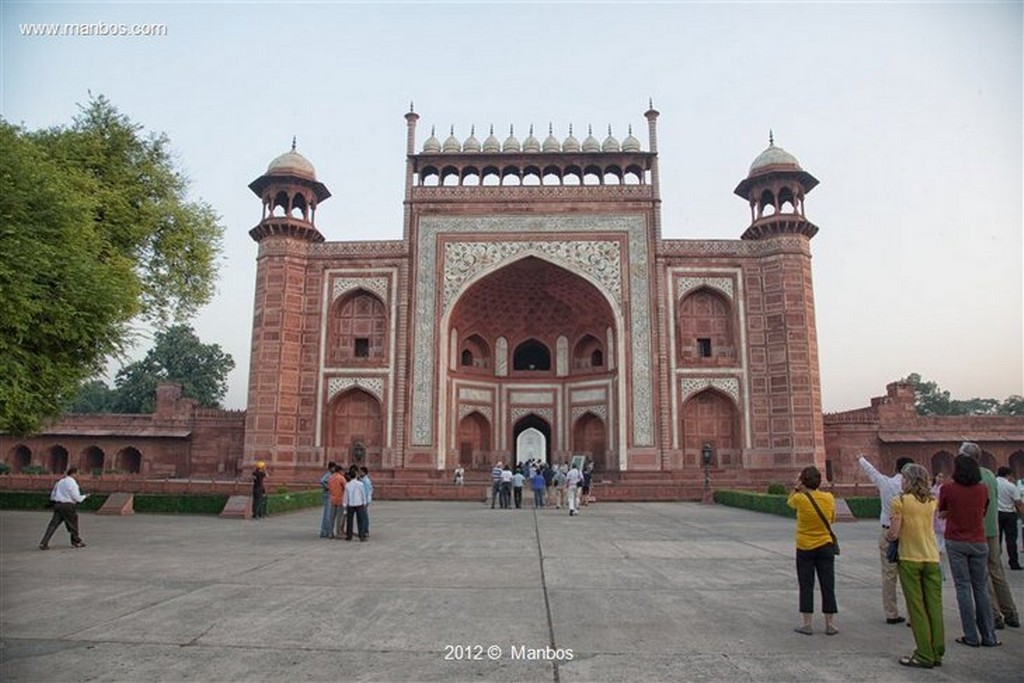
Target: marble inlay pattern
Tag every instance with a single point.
(685, 285)
(464, 260)
(727, 385)
(580, 411)
(486, 411)
(467, 394)
(373, 385)
(343, 285)
(519, 413)
(501, 357)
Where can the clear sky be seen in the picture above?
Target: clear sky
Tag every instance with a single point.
(910, 115)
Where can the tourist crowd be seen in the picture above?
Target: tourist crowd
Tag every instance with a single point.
(922, 519)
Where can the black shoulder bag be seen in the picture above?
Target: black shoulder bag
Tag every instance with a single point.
(835, 541)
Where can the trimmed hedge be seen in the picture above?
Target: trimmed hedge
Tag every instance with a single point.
(36, 500)
(861, 507)
(193, 504)
(289, 502)
(758, 502)
(865, 508)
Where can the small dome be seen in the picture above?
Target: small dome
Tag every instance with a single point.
(471, 144)
(531, 144)
(630, 144)
(452, 144)
(491, 144)
(590, 144)
(432, 145)
(571, 144)
(551, 142)
(292, 163)
(610, 144)
(774, 156)
(511, 142)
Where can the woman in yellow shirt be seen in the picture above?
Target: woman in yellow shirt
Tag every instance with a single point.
(912, 523)
(815, 553)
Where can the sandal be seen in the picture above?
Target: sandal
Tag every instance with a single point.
(806, 630)
(912, 660)
(831, 631)
(964, 641)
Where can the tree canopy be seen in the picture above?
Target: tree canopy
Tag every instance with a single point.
(931, 399)
(178, 356)
(95, 231)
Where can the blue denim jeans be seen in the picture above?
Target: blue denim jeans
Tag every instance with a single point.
(968, 562)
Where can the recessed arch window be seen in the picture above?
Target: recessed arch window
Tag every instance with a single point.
(531, 355)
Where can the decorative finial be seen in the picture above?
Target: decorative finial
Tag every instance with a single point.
(510, 129)
(472, 130)
(590, 130)
(631, 129)
(551, 128)
(411, 109)
(609, 130)
(771, 138)
(431, 130)
(293, 143)
(492, 129)
(570, 129)
(531, 130)
(650, 103)
(451, 131)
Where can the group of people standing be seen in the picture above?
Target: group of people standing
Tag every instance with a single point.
(555, 486)
(921, 519)
(346, 499)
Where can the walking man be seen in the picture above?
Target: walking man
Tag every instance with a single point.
(65, 497)
(1010, 505)
(888, 488)
(355, 503)
(495, 482)
(573, 481)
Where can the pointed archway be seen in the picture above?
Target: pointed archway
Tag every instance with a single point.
(532, 439)
(355, 429)
(590, 438)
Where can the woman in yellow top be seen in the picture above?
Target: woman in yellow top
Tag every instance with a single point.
(912, 523)
(814, 550)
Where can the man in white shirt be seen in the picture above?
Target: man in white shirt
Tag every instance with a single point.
(572, 483)
(65, 497)
(1009, 505)
(355, 502)
(888, 488)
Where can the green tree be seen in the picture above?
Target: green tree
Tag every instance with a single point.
(930, 399)
(177, 356)
(93, 396)
(95, 229)
(1013, 405)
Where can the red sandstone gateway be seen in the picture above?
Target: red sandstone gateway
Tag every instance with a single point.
(532, 310)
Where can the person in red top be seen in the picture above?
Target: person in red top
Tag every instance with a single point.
(963, 502)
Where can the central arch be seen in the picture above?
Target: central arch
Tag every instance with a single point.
(532, 438)
(534, 320)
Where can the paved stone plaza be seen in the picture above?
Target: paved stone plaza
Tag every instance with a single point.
(654, 591)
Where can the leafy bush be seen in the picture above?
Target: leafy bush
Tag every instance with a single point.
(34, 469)
(4, 468)
(776, 489)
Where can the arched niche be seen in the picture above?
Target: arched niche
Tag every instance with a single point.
(355, 417)
(706, 330)
(357, 330)
(711, 417)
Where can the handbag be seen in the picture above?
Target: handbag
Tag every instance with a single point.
(835, 541)
(892, 552)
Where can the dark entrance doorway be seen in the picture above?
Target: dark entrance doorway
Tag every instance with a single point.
(538, 424)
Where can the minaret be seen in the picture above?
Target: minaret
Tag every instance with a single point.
(279, 388)
(783, 353)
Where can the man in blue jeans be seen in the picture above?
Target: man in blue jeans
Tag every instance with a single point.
(495, 482)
